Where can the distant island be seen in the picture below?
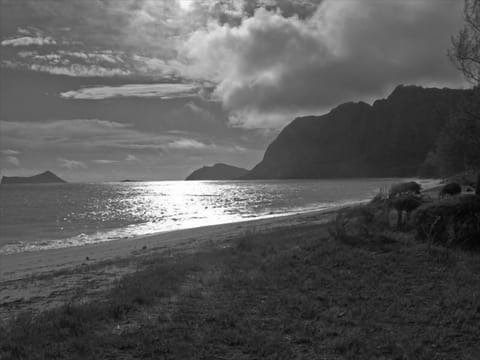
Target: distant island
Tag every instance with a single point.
(391, 138)
(217, 172)
(43, 178)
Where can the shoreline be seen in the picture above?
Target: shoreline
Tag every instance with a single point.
(39, 280)
(54, 241)
(69, 245)
(23, 265)
(20, 265)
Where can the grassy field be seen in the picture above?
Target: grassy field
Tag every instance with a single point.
(290, 294)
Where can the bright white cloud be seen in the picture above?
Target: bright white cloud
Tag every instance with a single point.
(104, 63)
(162, 91)
(29, 41)
(270, 64)
(78, 70)
(188, 144)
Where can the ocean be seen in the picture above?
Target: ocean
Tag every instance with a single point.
(48, 216)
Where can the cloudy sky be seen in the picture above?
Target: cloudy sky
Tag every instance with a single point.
(103, 90)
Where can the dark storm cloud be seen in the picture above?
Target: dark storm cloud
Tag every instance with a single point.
(301, 8)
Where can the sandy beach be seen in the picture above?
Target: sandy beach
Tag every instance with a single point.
(35, 280)
(43, 279)
(253, 288)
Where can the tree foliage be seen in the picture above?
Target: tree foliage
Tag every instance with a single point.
(458, 147)
(465, 51)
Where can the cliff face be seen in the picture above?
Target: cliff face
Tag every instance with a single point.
(390, 138)
(217, 172)
(43, 178)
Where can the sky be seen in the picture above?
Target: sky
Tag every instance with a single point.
(105, 90)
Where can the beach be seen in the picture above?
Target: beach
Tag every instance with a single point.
(39, 280)
(282, 287)
(43, 279)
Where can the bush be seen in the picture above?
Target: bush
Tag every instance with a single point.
(450, 221)
(404, 197)
(406, 187)
(406, 202)
(451, 189)
(353, 222)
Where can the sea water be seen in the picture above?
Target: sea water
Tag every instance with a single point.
(46, 216)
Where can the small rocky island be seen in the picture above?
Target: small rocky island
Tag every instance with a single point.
(43, 178)
(217, 172)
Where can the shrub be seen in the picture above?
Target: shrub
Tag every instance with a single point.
(380, 199)
(451, 189)
(353, 222)
(450, 221)
(404, 197)
(406, 202)
(406, 187)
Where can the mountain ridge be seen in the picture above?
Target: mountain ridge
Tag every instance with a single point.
(218, 171)
(389, 138)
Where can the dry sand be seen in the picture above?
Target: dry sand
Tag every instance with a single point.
(43, 279)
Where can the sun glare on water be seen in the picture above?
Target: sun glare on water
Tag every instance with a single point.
(185, 4)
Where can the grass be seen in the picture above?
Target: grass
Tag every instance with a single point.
(290, 294)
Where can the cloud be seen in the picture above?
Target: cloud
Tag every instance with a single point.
(68, 57)
(188, 144)
(83, 135)
(154, 66)
(104, 161)
(77, 61)
(79, 133)
(269, 120)
(10, 152)
(79, 70)
(145, 32)
(12, 160)
(199, 112)
(162, 91)
(71, 164)
(74, 62)
(131, 157)
(29, 41)
(272, 64)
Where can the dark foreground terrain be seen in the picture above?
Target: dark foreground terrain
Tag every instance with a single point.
(290, 294)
